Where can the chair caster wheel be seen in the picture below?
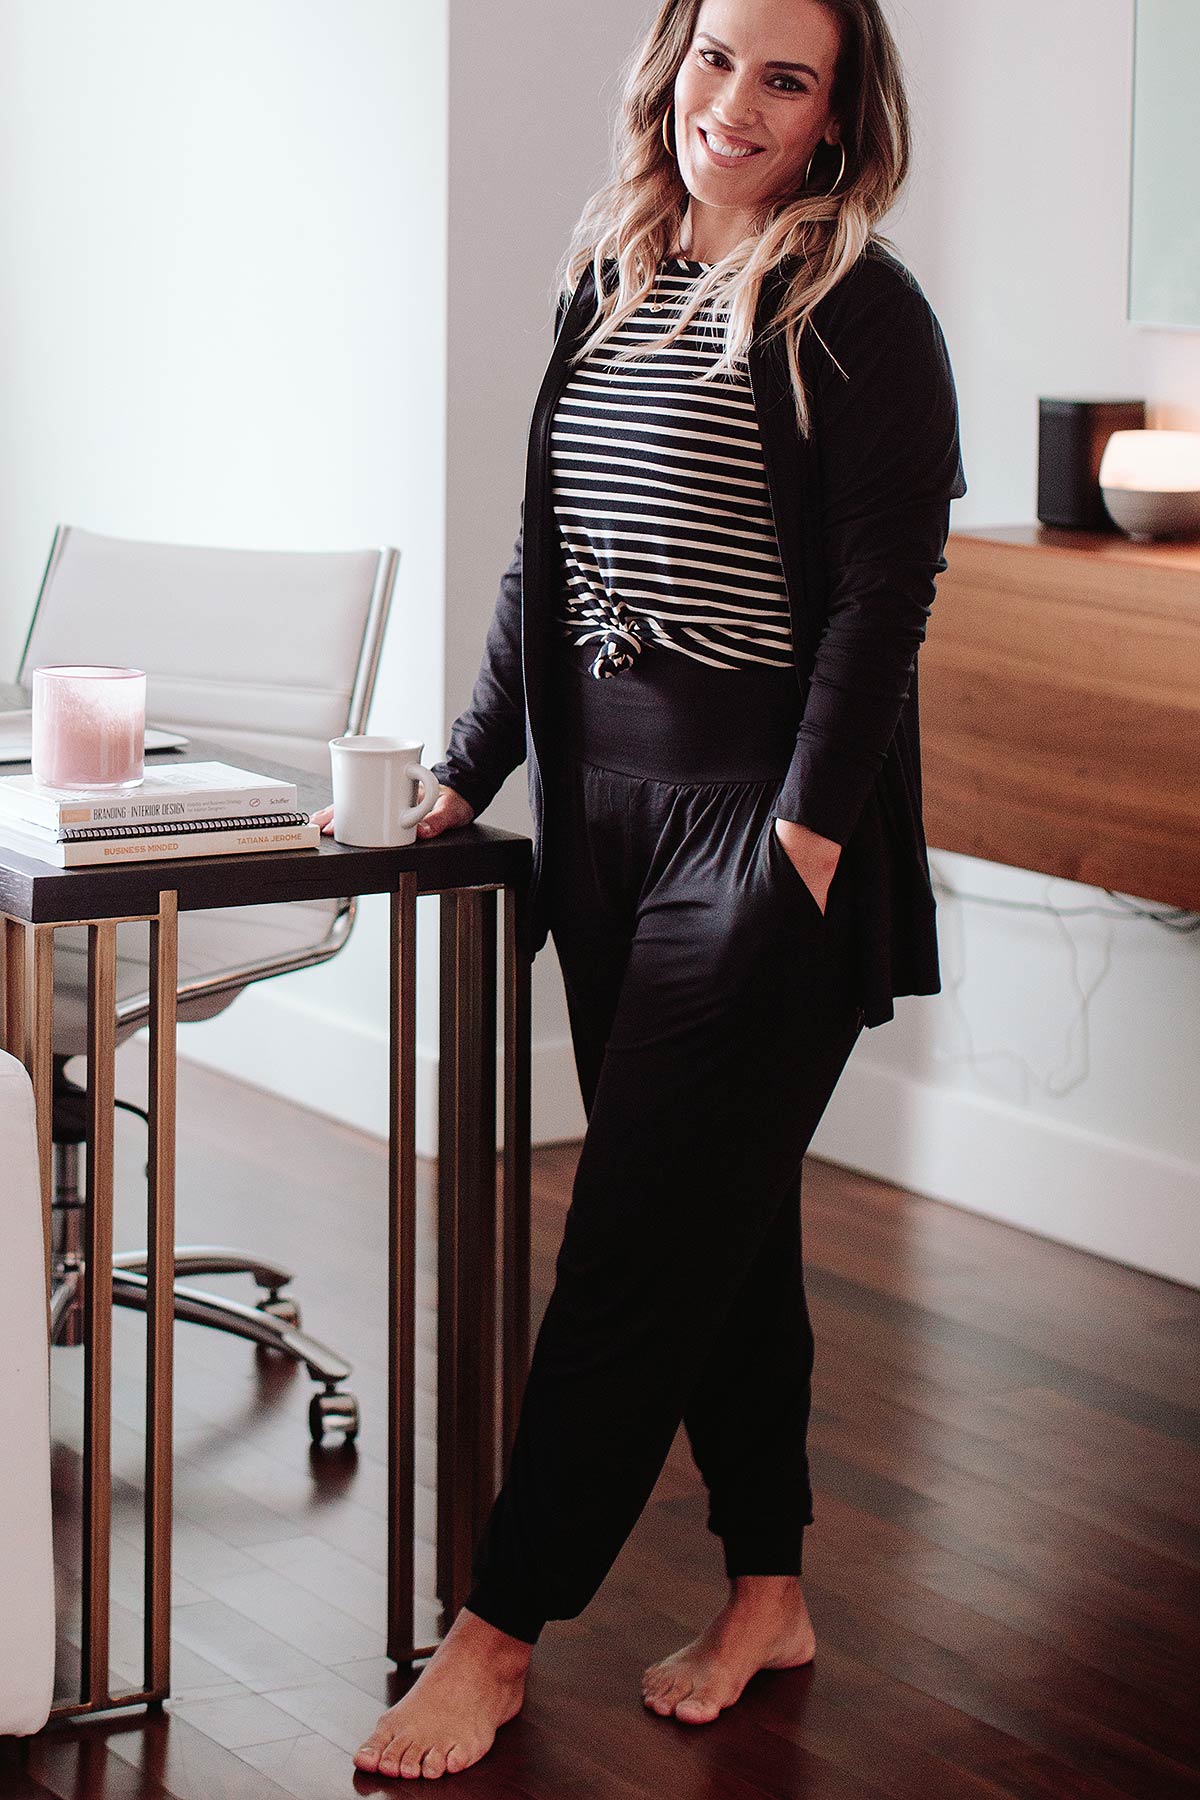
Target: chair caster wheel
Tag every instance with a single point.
(283, 1308)
(333, 1411)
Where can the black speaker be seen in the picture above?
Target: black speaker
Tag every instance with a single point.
(1071, 439)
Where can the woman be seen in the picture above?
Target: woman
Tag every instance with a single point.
(740, 471)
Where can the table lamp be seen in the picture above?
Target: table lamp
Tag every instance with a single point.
(1150, 481)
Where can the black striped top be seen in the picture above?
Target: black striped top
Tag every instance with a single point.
(661, 500)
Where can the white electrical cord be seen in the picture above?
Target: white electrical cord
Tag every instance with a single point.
(1060, 1080)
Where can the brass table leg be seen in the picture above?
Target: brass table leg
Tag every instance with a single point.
(160, 1295)
(466, 1237)
(402, 1284)
(38, 1053)
(97, 1309)
(12, 986)
(27, 1018)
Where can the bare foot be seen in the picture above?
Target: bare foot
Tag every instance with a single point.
(472, 1684)
(763, 1625)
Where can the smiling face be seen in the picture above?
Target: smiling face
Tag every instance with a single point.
(752, 102)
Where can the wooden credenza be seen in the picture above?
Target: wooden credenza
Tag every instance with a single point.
(1060, 707)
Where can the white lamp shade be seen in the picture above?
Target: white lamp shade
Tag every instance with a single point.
(1160, 462)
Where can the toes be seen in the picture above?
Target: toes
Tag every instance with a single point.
(656, 1697)
(434, 1762)
(367, 1756)
(389, 1761)
(697, 1709)
(410, 1762)
(675, 1691)
(456, 1759)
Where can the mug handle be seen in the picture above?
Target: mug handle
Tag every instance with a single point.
(412, 815)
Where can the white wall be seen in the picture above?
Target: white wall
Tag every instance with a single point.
(1054, 1081)
(223, 244)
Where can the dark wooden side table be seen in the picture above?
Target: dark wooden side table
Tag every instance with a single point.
(467, 867)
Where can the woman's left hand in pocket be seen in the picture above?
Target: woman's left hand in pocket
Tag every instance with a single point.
(814, 858)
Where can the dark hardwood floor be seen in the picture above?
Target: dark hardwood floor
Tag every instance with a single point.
(1003, 1572)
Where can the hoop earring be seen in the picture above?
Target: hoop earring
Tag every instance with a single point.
(665, 138)
(838, 176)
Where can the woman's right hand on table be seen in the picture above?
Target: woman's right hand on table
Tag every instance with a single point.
(448, 809)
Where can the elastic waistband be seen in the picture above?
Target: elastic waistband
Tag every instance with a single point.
(676, 719)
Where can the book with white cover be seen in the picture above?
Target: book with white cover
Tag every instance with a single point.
(197, 790)
(157, 846)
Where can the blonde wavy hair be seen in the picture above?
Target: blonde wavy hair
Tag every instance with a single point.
(634, 221)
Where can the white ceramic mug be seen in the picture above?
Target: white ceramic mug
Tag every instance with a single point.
(375, 783)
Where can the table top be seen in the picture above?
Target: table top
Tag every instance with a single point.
(1165, 554)
(467, 856)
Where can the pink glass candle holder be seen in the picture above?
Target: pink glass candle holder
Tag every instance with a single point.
(89, 727)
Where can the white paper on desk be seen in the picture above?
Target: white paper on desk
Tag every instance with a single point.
(16, 737)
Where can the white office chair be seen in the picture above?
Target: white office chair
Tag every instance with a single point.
(26, 1535)
(271, 653)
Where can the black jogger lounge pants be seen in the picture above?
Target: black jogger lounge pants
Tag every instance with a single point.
(712, 1012)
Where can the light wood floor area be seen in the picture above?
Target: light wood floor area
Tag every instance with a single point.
(1003, 1572)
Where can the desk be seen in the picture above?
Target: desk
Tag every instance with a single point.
(467, 868)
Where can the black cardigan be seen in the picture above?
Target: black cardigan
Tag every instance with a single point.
(862, 513)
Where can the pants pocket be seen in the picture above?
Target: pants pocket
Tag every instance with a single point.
(778, 857)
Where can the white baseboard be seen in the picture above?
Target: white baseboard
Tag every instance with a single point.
(1114, 1199)
(331, 1065)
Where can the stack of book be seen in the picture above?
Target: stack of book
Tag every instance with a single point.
(187, 809)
